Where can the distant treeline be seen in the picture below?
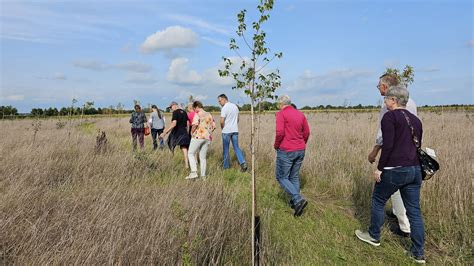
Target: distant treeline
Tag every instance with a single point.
(9, 111)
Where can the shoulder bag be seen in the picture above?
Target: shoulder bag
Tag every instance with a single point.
(429, 166)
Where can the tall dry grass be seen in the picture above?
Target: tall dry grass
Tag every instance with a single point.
(63, 202)
(336, 167)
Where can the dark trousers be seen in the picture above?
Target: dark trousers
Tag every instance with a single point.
(408, 181)
(140, 134)
(154, 133)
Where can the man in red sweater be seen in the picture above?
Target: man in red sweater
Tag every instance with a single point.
(292, 133)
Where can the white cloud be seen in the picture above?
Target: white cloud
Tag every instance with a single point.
(216, 42)
(127, 66)
(55, 76)
(184, 95)
(90, 64)
(59, 76)
(470, 43)
(43, 22)
(141, 79)
(178, 72)
(134, 67)
(200, 23)
(331, 82)
(15, 97)
(169, 38)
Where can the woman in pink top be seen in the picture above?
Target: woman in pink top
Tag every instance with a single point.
(191, 113)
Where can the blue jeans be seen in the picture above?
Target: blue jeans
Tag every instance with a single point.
(408, 181)
(226, 139)
(287, 170)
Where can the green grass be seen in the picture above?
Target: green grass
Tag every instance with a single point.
(324, 234)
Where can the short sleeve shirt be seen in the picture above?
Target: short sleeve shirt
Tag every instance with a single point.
(181, 119)
(205, 124)
(230, 112)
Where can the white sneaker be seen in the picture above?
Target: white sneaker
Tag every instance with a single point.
(192, 175)
(365, 236)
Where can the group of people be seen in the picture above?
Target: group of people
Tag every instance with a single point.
(398, 173)
(192, 131)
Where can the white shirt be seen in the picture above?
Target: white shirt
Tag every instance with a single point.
(230, 112)
(411, 107)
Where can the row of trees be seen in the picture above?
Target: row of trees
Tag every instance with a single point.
(8, 110)
(64, 111)
(264, 106)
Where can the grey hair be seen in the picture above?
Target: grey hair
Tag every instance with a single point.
(399, 92)
(284, 99)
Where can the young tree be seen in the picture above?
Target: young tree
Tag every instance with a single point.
(252, 77)
(406, 77)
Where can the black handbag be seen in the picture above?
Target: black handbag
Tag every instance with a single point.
(429, 166)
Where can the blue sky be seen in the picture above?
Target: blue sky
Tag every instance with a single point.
(159, 51)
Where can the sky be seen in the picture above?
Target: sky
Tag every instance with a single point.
(112, 52)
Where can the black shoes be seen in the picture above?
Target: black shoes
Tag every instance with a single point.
(243, 167)
(395, 229)
(299, 207)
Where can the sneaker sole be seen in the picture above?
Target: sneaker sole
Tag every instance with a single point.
(368, 241)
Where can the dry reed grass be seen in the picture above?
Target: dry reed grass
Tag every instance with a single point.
(63, 202)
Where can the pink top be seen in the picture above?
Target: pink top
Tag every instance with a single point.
(191, 118)
(292, 130)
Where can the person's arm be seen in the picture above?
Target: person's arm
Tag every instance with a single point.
(168, 130)
(379, 139)
(388, 133)
(131, 119)
(373, 154)
(279, 131)
(222, 122)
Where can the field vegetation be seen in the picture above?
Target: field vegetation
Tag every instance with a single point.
(63, 200)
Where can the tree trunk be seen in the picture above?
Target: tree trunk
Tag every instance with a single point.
(254, 202)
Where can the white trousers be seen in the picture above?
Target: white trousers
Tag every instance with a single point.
(399, 210)
(196, 145)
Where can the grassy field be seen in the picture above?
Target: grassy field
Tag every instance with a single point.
(64, 202)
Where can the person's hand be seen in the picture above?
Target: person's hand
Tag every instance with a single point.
(162, 135)
(372, 156)
(377, 175)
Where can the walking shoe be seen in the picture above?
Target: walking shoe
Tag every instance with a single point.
(395, 229)
(417, 259)
(192, 175)
(243, 167)
(365, 236)
(299, 207)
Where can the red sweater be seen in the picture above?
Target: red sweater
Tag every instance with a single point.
(292, 130)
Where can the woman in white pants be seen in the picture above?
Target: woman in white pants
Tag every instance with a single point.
(201, 135)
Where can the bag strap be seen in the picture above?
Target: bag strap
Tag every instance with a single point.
(415, 138)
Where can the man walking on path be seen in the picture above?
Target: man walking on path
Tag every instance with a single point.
(230, 131)
(398, 209)
(292, 133)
